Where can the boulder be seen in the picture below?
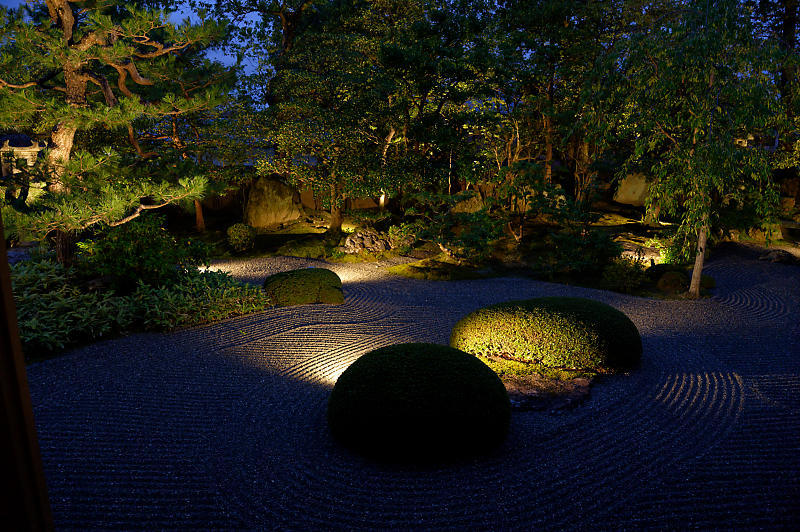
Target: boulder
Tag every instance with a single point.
(309, 200)
(470, 205)
(632, 190)
(363, 203)
(365, 240)
(787, 206)
(780, 256)
(271, 203)
(791, 188)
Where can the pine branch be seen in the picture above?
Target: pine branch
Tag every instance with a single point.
(102, 82)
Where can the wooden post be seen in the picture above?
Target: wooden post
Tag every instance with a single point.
(23, 500)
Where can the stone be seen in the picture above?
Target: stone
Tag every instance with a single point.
(271, 202)
(632, 190)
(469, 205)
(363, 203)
(309, 200)
(791, 188)
(22, 147)
(787, 206)
(365, 240)
(779, 255)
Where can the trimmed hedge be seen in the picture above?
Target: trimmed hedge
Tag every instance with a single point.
(557, 332)
(303, 287)
(419, 403)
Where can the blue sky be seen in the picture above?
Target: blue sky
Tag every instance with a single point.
(176, 18)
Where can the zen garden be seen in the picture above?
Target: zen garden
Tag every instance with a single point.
(413, 264)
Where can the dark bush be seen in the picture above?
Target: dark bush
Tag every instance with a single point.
(557, 332)
(673, 282)
(142, 250)
(302, 287)
(655, 271)
(419, 403)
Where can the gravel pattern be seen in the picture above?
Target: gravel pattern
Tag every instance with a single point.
(224, 426)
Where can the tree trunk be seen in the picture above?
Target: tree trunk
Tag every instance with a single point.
(62, 139)
(583, 178)
(788, 32)
(651, 219)
(548, 150)
(200, 221)
(699, 259)
(336, 210)
(64, 243)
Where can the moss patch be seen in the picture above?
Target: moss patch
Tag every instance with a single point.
(438, 268)
(311, 248)
(303, 287)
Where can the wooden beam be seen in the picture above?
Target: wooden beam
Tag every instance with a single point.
(23, 499)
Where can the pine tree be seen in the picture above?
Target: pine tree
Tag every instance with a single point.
(108, 70)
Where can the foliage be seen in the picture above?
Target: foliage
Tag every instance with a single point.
(419, 403)
(53, 313)
(302, 287)
(195, 298)
(557, 332)
(402, 236)
(57, 309)
(241, 237)
(700, 80)
(143, 250)
(99, 80)
(624, 275)
(463, 236)
(672, 249)
(587, 251)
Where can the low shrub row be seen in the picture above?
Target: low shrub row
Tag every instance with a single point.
(56, 308)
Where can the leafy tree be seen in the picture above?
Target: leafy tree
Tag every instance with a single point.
(700, 80)
(72, 66)
(371, 97)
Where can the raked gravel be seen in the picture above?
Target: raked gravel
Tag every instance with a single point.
(223, 426)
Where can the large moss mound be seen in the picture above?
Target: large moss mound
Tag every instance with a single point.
(556, 332)
(419, 403)
(302, 287)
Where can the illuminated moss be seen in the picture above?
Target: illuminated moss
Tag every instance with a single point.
(556, 332)
(302, 287)
(419, 403)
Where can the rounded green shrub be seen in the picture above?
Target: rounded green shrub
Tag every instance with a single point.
(241, 237)
(557, 332)
(655, 271)
(419, 403)
(302, 287)
(673, 282)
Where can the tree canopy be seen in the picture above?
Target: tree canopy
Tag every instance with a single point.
(364, 97)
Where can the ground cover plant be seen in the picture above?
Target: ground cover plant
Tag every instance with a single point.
(57, 307)
(419, 403)
(130, 278)
(554, 333)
